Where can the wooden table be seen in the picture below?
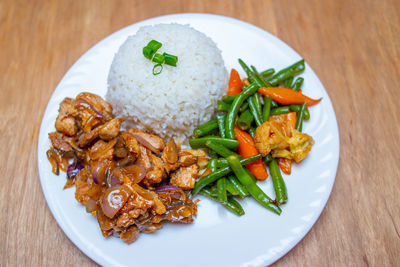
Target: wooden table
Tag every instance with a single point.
(354, 47)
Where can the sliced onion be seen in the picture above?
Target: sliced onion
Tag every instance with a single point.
(135, 172)
(166, 188)
(73, 170)
(113, 200)
(91, 205)
(146, 143)
(84, 101)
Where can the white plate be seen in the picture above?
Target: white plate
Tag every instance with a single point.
(217, 237)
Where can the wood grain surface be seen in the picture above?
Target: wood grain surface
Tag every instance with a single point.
(354, 47)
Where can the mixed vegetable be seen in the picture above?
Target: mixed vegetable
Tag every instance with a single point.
(259, 126)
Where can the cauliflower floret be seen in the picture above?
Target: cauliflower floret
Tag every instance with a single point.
(267, 137)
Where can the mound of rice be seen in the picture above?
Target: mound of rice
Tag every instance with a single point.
(180, 98)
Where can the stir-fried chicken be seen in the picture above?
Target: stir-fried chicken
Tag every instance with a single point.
(150, 141)
(124, 180)
(58, 141)
(185, 177)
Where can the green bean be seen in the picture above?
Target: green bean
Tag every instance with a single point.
(212, 164)
(257, 99)
(298, 83)
(244, 107)
(251, 76)
(230, 188)
(205, 128)
(222, 162)
(280, 110)
(242, 192)
(245, 120)
(267, 73)
(259, 76)
(300, 117)
(231, 204)
(221, 124)
(252, 131)
(268, 158)
(212, 154)
(289, 82)
(279, 184)
(274, 104)
(251, 186)
(254, 109)
(228, 98)
(220, 149)
(201, 142)
(234, 206)
(220, 173)
(222, 106)
(234, 109)
(285, 73)
(267, 108)
(221, 190)
(296, 108)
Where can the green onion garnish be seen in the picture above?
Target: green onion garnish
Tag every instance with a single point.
(157, 69)
(151, 48)
(170, 59)
(150, 52)
(158, 58)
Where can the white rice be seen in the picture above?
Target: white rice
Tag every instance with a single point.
(180, 98)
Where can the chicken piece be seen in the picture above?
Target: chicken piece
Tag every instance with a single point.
(185, 177)
(98, 104)
(106, 224)
(170, 157)
(65, 122)
(151, 196)
(267, 137)
(202, 157)
(88, 138)
(157, 173)
(151, 141)
(186, 159)
(58, 141)
(130, 142)
(144, 157)
(83, 183)
(102, 150)
(299, 146)
(110, 129)
(130, 234)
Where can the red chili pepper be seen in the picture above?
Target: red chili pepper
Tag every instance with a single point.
(235, 83)
(287, 96)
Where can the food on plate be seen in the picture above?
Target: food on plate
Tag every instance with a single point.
(266, 130)
(125, 155)
(172, 103)
(132, 181)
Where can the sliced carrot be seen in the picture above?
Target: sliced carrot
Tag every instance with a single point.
(235, 83)
(285, 165)
(287, 96)
(248, 148)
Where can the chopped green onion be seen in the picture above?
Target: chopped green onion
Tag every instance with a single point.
(148, 52)
(151, 48)
(170, 59)
(158, 58)
(157, 69)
